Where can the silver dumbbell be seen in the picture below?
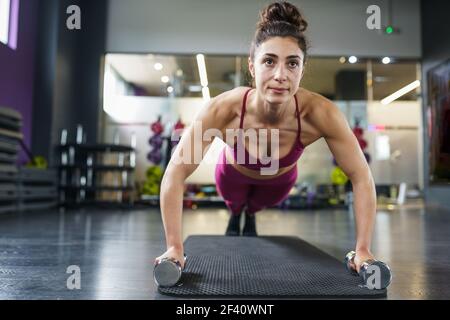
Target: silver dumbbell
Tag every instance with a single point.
(368, 268)
(167, 272)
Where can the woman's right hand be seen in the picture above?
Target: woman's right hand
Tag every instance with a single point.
(173, 253)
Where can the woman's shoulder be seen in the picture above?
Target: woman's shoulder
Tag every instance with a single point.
(228, 103)
(314, 105)
(236, 94)
(320, 112)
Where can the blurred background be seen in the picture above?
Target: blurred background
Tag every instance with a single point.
(92, 92)
(129, 65)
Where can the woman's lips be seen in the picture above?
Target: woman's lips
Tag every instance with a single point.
(278, 90)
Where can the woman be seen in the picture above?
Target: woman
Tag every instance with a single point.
(276, 104)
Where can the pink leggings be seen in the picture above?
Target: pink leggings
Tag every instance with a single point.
(239, 190)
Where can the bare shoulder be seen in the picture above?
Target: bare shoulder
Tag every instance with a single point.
(227, 104)
(320, 112)
(314, 104)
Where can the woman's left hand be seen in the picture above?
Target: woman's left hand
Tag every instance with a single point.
(361, 257)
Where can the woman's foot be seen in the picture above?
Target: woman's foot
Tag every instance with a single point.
(234, 225)
(250, 226)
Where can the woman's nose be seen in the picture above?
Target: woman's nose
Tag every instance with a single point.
(280, 73)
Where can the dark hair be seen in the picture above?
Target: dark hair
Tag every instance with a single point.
(280, 19)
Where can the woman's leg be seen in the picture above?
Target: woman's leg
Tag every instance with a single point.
(234, 190)
(267, 195)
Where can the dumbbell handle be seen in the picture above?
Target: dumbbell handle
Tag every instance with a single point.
(386, 274)
(170, 259)
(366, 264)
(350, 257)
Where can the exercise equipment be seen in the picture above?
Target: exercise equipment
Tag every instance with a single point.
(38, 162)
(156, 141)
(179, 125)
(176, 133)
(173, 140)
(338, 176)
(269, 266)
(155, 156)
(369, 268)
(152, 184)
(167, 272)
(359, 134)
(157, 127)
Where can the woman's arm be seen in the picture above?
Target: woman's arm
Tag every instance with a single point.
(214, 117)
(350, 158)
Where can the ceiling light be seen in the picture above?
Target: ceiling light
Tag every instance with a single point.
(401, 92)
(342, 59)
(206, 95)
(158, 66)
(170, 89)
(202, 70)
(352, 59)
(165, 79)
(386, 60)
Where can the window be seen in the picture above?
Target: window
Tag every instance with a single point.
(9, 14)
(4, 20)
(173, 75)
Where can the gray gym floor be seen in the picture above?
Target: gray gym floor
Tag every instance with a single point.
(115, 249)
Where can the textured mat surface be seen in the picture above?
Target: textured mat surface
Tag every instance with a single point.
(263, 266)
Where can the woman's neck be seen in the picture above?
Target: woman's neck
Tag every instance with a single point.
(266, 112)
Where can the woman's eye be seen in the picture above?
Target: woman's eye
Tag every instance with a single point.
(269, 62)
(293, 64)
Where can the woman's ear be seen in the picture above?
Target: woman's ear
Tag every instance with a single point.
(251, 67)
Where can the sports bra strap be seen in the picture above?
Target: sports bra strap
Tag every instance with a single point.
(244, 103)
(297, 113)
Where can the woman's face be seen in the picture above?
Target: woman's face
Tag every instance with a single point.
(277, 69)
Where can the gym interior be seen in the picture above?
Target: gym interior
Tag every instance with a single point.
(91, 93)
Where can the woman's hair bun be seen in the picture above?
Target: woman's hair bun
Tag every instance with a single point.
(282, 11)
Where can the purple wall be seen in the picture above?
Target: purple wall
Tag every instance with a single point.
(17, 70)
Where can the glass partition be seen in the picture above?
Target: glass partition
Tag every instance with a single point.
(138, 88)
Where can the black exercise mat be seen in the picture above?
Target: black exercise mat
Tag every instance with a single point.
(263, 266)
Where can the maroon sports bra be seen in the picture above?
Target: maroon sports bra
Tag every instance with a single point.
(255, 164)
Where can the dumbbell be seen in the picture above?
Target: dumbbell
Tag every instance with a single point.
(167, 272)
(155, 156)
(156, 141)
(157, 126)
(368, 268)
